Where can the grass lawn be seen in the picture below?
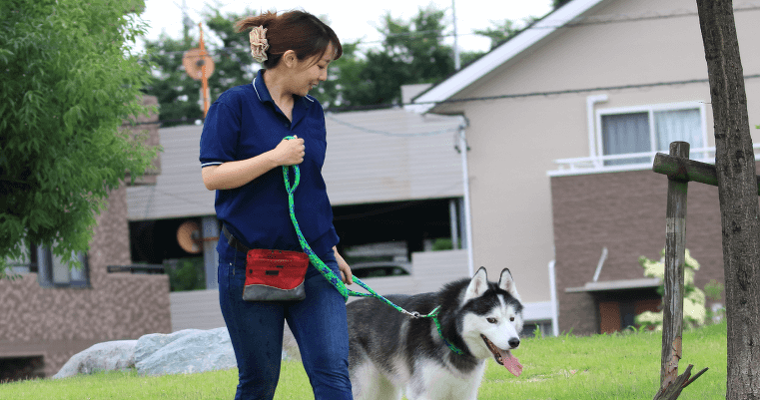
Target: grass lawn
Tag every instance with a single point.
(621, 366)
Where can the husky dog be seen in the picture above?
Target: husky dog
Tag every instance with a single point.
(390, 352)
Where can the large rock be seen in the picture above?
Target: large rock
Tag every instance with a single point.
(117, 355)
(185, 351)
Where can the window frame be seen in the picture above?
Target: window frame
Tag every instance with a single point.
(650, 109)
(45, 274)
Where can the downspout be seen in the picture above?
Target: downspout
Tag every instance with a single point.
(555, 306)
(591, 124)
(467, 240)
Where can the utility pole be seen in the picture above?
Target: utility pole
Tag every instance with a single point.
(457, 61)
(186, 21)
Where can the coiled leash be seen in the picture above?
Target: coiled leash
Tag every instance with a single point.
(330, 275)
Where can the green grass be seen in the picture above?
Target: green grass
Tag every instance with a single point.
(620, 366)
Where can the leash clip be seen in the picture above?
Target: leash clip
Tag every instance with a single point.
(415, 314)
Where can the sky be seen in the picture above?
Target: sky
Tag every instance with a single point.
(349, 19)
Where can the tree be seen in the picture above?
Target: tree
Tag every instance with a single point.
(411, 52)
(69, 82)
(501, 31)
(343, 76)
(737, 193)
(234, 64)
(498, 32)
(177, 93)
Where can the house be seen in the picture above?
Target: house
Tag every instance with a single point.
(395, 180)
(563, 120)
(51, 313)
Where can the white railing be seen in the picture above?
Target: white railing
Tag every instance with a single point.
(635, 162)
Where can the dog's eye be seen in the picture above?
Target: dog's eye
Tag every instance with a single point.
(511, 319)
(492, 320)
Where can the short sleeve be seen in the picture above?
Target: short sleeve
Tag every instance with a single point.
(220, 135)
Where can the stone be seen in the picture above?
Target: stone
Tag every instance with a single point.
(118, 355)
(290, 349)
(185, 351)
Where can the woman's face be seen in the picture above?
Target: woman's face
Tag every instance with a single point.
(311, 71)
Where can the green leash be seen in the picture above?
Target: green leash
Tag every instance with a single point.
(330, 275)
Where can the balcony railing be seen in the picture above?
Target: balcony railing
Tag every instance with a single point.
(625, 162)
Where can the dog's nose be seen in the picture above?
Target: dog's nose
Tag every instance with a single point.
(514, 342)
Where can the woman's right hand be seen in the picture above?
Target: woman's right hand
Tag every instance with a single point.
(289, 152)
(234, 174)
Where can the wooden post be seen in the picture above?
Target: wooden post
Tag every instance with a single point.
(675, 253)
(680, 170)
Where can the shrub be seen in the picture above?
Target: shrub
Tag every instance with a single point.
(694, 313)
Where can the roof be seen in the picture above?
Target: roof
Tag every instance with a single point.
(503, 53)
(372, 157)
(625, 284)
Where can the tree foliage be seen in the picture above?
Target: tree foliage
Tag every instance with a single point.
(412, 51)
(177, 93)
(501, 31)
(68, 84)
(694, 312)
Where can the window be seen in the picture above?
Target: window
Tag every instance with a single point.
(25, 264)
(53, 272)
(649, 129)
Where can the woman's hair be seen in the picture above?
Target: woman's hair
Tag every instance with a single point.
(294, 30)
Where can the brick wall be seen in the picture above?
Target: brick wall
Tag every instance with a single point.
(625, 212)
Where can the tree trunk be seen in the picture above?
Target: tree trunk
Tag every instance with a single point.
(737, 191)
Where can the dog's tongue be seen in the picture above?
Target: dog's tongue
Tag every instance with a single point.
(511, 363)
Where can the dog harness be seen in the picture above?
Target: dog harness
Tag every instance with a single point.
(328, 274)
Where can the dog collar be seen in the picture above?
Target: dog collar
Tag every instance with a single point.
(434, 314)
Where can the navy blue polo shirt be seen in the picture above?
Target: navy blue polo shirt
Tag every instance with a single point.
(245, 122)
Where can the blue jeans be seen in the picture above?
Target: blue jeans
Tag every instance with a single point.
(318, 324)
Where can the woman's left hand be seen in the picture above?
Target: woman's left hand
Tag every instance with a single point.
(345, 270)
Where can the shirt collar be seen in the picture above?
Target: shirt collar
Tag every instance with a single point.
(263, 93)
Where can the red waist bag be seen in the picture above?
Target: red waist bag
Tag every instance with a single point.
(275, 275)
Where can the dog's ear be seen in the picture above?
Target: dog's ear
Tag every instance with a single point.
(478, 285)
(507, 283)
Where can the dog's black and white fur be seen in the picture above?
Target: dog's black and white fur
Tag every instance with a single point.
(391, 353)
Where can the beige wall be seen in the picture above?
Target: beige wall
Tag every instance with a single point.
(514, 141)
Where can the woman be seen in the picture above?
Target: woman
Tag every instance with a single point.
(242, 150)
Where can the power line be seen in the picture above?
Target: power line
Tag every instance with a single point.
(547, 93)
(331, 110)
(574, 23)
(331, 117)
